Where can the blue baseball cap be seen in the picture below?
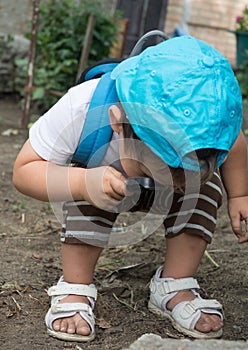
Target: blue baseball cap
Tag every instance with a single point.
(180, 96)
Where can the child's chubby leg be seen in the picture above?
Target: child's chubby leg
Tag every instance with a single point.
(183, 256)
(189, 226)
(79, 261)
(85, 234)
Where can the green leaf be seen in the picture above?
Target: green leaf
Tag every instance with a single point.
(38, 93)
(62, 28)
(21, 62)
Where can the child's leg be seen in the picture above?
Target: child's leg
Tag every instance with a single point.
(183, 256)
(79, 261)
(84, 224)
(190, 226)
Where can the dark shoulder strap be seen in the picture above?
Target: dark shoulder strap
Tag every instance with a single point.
(98, 69)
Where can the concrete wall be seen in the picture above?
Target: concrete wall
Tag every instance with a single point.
(208, 20)
(14, 19)
(14, 16)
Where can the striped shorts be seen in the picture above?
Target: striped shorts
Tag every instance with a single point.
(193, 213)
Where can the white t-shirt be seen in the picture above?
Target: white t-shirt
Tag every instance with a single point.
(56, 134)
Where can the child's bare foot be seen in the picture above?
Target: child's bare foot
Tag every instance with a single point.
(207, 322)
(74, 324)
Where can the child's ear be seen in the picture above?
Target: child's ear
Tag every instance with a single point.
(115, 118)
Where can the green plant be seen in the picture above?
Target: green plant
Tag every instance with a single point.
(62, 27)
(4, 41)
(242, 77)
(17, 207)
(242, 21)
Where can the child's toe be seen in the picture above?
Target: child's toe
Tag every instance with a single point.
(208, 323)
(204, 325)
(57, 325)
(63, 325)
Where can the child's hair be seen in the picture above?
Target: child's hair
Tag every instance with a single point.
(128, 131)
(205, 157)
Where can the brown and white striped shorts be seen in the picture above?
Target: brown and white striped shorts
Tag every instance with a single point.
(193, 213)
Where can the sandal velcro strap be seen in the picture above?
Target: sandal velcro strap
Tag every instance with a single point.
(187, 309)
(177, 285)
(76, 289)
(71, 307)
(199, 303)
(187, 313)
(60, 310)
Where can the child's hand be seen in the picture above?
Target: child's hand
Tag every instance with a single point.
(105, 187)
(238, 212)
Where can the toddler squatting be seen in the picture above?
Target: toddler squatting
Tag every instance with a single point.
(178, 121)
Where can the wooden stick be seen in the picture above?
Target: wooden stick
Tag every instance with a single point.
(87, 44)
(30, 75)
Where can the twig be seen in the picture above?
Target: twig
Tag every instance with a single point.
(144, 229)
(33, 298)
(206, 253)
(87, 44)
(77, 347)
(102, 266)
(56, 93)
(30, 76)
(17, 305)
(23, 218)
(124, 303)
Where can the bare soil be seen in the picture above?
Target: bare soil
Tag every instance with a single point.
(30, 263)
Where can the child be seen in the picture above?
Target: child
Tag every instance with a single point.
(178, 121)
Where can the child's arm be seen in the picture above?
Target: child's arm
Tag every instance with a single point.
(234, 172)
(46, 181)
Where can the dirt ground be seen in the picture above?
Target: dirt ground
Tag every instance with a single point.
(30, 263)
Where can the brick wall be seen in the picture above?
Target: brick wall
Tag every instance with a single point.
(207, 20)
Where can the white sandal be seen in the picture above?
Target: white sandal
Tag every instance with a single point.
(62, 310)
(186, 314)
